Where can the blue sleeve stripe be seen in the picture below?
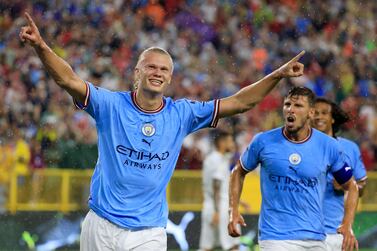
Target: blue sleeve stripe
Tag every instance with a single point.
(343, 175)
(78, 104)
(215, 118)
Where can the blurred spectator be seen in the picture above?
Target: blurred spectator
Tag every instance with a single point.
(21, 151)
(37, 164)
(7, 162)
(218, 47)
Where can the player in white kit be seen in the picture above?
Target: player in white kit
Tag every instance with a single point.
(216, 172)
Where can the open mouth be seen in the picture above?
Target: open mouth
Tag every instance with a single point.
(290, 120)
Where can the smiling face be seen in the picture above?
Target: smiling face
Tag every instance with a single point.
(323, 119)
(297, 113)
(153, 72)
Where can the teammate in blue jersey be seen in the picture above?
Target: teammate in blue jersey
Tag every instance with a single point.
(328, 118)
(140, 134)
(294, 161)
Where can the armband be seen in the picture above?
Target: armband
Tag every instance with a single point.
(344, 174)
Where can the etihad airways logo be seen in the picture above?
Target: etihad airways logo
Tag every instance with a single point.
(288, 184)
(306, 182)
(140, 155)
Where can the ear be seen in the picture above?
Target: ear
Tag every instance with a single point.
(311, 113)
(136, 74)
(136, 70)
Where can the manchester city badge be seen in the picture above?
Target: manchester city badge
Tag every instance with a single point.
(148, 129)
(295, 158)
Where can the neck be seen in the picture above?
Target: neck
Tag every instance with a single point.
(330, 133)
(148, 101)
(299, 135)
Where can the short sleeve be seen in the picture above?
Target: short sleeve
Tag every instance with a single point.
(250, 157)
(339, 165)
(359, 171)
(197, 115)
(96, 99)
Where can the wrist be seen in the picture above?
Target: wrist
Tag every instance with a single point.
(41, 46)
(277, 75)
(346, 225)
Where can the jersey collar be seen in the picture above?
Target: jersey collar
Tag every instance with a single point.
(301, 141)
(133, 96)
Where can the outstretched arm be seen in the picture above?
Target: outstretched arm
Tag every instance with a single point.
(350, 205)
(58, 69)
(235, 188)
(247, 97)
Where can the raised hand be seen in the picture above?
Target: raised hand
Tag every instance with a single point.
(30, 33)
(292, 68)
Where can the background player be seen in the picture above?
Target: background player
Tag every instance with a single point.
(294, 161)
(328, 118)
(216, 172)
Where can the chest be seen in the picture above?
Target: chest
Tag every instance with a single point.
(143, 131)
(303, 160)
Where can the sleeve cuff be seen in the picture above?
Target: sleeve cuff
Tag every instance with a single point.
(215, 118)
(243, 167)
(363, 178)
(84, 105)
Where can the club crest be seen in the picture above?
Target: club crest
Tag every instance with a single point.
(148, 129)
(294, 159)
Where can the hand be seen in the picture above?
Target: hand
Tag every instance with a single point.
(291, 69)
(235, 219)
(349, 240)
(30, 33)
(215, 219)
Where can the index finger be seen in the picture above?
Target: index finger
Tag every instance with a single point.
(297, 57)
(29, 19)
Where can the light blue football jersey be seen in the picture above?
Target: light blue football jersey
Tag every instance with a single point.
(293, 182)
(333, 207)
(137, 153)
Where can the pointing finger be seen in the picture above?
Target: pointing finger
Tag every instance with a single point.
(297, 57)
(30, 20)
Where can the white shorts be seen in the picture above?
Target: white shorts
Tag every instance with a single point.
(99, 234)
(334, 242)
(291, 245)
(211, 237)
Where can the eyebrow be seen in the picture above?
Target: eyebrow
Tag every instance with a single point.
(163, 67)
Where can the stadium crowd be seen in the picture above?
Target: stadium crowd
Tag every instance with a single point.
(218, 47)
